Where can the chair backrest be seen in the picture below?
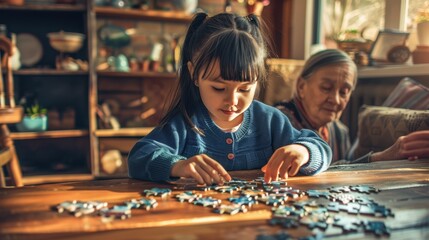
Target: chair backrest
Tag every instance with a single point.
(9, 114)
(6, 64)
(282, 77)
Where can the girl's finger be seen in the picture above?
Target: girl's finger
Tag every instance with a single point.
(284, 169)
(194, 173)
(295, 165)
(207, 164)
(220, 172)
(207, 179)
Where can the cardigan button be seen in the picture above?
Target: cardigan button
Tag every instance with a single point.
(229, 141)
(231, 156)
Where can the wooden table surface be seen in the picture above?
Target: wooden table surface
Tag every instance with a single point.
(25, 213)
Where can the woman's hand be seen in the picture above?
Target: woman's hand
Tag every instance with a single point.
(202, 168)
(412, 146)
(286, 161)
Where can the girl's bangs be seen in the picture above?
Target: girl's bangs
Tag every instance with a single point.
(240, 58)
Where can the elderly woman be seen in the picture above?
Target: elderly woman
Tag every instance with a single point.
(322, 92)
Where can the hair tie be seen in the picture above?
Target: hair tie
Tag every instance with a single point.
(252, 19)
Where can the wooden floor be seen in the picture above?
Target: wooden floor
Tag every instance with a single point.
(25, 213)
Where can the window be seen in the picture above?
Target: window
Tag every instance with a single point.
(364, 18)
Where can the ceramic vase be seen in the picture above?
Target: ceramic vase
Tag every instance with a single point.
(33, 124)
(421, 54)
(423, 33)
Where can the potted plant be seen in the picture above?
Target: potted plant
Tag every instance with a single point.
(35, 119)
(423, 27)
(421, 53)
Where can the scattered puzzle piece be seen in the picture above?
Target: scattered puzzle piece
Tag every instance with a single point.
(364, 189)
(188, 196)
(285, 222)
(376, 210)
(116, 212)
(342, 189)
(162, 192)
(230, 209)
(207, 202)
(377, 227)
(318, 194)
(242, 200)
(347, 224)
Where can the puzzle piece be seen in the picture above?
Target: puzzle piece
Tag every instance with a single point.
(352, 208)
(314, 222)
(376, 210)
(377, 227)
(255, 194)
(364, 189)
(226, 188)
(343, 198)
(207, 202)
(286, 211)
(79, 208)
(271, 200)
(116, 212)
(318, 194)
(242, 200)
(142, 203)
(188, 196)
(230, 209)
(342, 189)
(277, 236)
(162, 192)
(285, 222)
(347, 224)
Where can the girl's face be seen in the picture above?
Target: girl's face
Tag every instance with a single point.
(326, 92)
(225, 100)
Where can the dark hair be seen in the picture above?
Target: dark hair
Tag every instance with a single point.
(236, 42)
(324, 58)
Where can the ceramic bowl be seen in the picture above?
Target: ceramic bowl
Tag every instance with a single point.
(66, 41)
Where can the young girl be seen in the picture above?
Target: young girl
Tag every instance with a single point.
(213, 124)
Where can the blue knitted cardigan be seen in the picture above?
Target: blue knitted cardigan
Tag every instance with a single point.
(263, 130)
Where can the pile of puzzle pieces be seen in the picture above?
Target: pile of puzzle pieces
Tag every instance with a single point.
(316, 209)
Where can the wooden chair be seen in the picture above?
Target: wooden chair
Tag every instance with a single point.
(9, 114)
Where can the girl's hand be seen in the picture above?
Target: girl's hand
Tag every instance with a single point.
(202, 168)
(412, 146)
(286, 161)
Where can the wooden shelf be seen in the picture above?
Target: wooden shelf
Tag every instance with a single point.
(124, 132)
(39, 179)
(45, 7)
(49, 134)
(136, 74)
(394, 71)
(148, 15)
(52, 72)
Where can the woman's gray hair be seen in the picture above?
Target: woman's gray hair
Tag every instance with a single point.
(324, 58)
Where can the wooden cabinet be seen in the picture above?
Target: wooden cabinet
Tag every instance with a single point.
(85, 148)
(63, 151)
(135, 98)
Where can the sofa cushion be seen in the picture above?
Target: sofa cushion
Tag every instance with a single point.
(379, 127)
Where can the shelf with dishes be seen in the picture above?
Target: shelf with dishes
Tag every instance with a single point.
(44, 7)
(49, 134)
(124, 132)
(147, 15)
(47, 72)
(136, 74)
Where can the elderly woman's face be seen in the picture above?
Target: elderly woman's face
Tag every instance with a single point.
(326, 93)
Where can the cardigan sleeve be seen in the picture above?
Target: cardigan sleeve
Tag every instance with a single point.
(320, 152)
(153, 156)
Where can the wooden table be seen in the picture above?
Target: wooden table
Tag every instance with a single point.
(25, 213)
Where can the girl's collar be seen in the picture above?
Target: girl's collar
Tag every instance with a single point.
(214, 129)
